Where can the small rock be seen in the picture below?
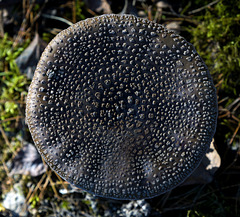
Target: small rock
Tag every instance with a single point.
(142, 14)
(15, 201)
(174, 26)
(139, 208)
(162, 4)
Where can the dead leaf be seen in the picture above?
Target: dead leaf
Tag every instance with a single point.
(99, 6)
(27, 162)
(205, 171)
(29, 58)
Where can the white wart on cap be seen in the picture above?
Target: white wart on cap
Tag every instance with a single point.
(121, 107)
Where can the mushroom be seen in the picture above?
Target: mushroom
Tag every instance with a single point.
(121, 107)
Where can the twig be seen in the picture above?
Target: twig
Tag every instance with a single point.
(33, 20)
(85, 214)
(202, 8)
(53, 31)
(235, 118)
(187, 19)
(234, 134)
(149, 9)
(216, 190)
(58, 18)
(5, 136)
(198, 194)
(235, 109)
(74, 16)
(61, 181)
(167, 195)
(124, 10)
(22, 32)
(15, 101)
(91, 12)
(222, 100)
(31, 189)
(24, 6)
(7, 172)
(31, 193)
(233, 103)
(173, 13)
(219, 83)
(224, 115)
(52, 185)
(1, 23)
(43, 188)
(24, 24)
(12, 119)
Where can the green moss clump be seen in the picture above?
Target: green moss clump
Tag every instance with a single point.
(13, 83)
(217, 39)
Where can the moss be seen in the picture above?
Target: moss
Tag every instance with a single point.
(217, 39)
(13, 83)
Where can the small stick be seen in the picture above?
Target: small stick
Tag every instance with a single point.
(31, 193)
(58, 18)
(202, 8)
(1, 24)
(5, 137)
(235, 133)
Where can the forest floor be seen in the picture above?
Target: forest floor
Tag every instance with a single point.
(30, 188)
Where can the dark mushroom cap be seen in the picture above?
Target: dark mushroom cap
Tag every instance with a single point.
(121, 107)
